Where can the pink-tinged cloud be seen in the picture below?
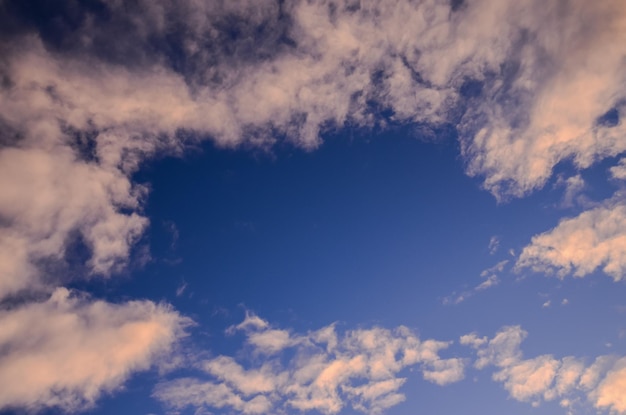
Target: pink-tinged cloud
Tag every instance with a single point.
(602, 384)
(578, 246)
(66, 351)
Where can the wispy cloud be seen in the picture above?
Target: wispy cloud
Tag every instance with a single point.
(573, 186)
(494, 244)
(491, 278)
(181, 289)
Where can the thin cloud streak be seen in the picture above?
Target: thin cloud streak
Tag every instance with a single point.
(491, 279)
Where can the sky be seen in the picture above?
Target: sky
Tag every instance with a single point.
(312, 207)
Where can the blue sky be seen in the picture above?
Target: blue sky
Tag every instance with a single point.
(312, 207)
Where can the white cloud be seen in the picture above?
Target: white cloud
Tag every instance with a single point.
(323, 370)
(66, 351)
(580, 245)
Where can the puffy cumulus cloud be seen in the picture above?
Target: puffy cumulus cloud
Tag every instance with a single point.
(48, 198)
(546, 378)
(491, 276)
(528, 378)
(82, 130)
(501, 350)
(580, 245)
(611, 393)
(193, 392)
(322, 370)
(66, 351)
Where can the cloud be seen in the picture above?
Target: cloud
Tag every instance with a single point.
(611, 393)
(86, 103)
(491, 279)
(619, 171)
(494, 244)
(526, 85)
(66, 351)
(582, 244)
(502, 350)
(491, 275)
(322, 370)
(187, 391)
(528, 378)
(445, 371)
(48, 197)
(564, 77)
(545, 378)
(251, 322)
(574, 186)
(181, 289)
